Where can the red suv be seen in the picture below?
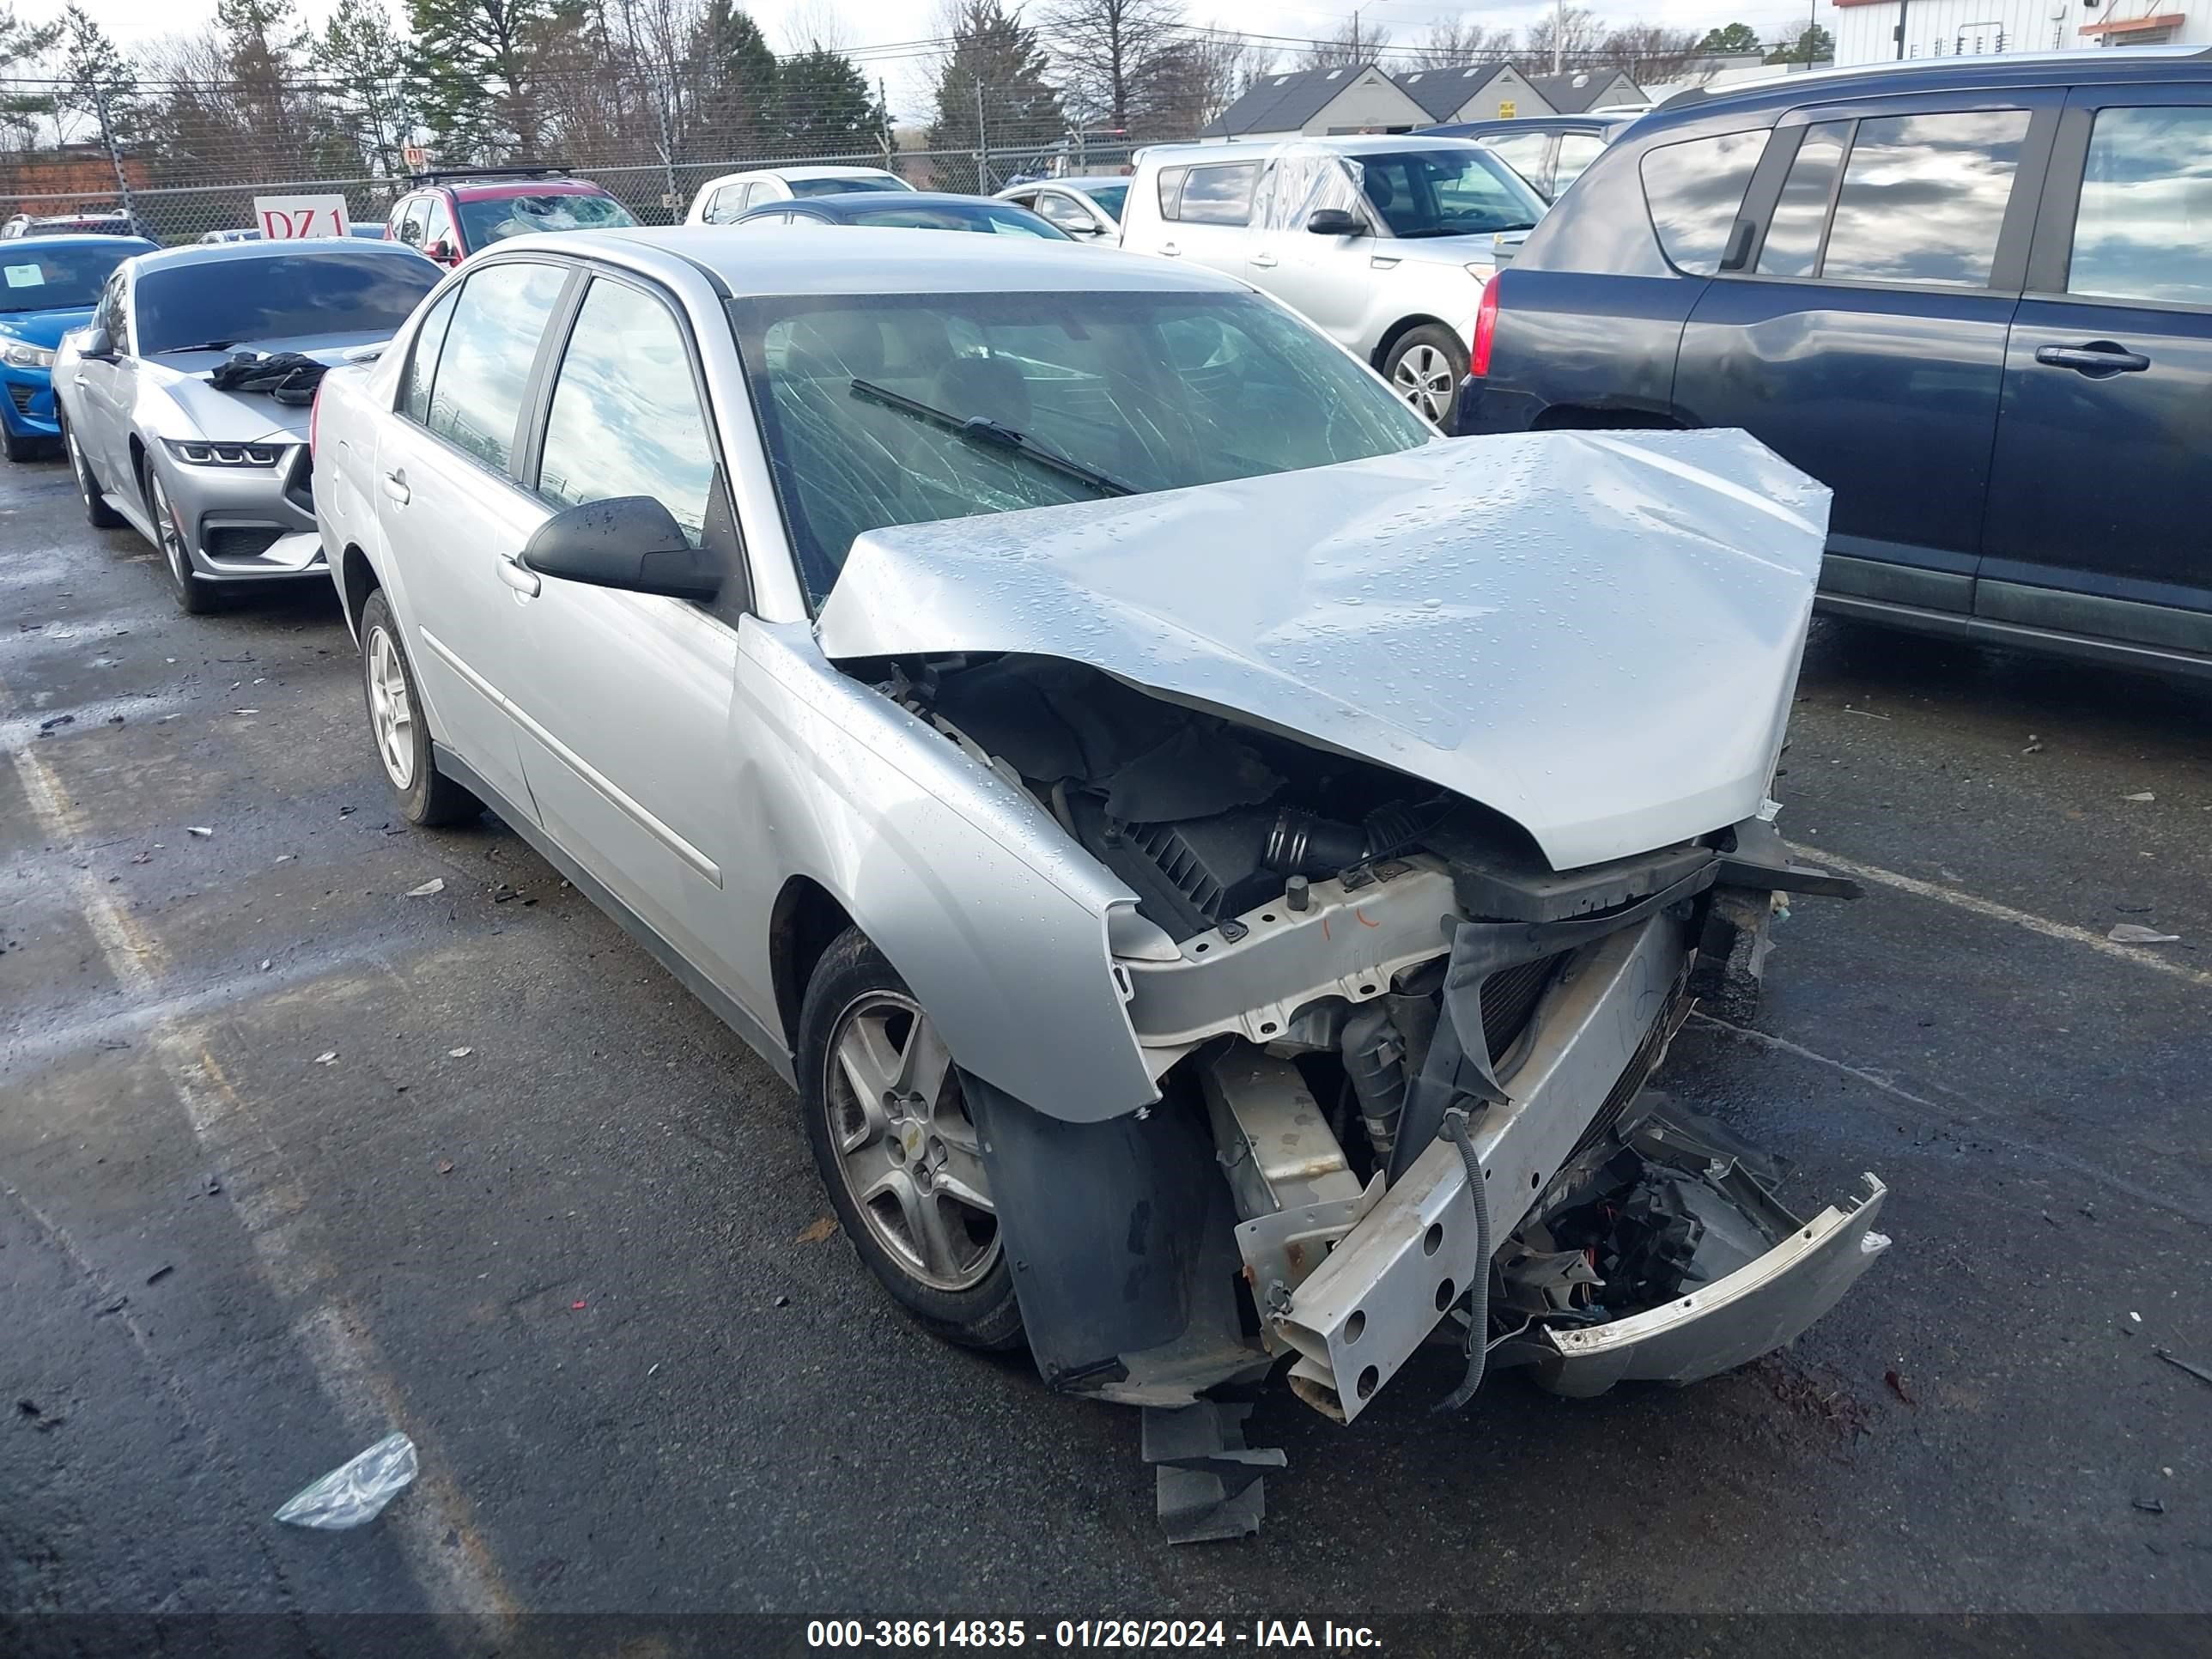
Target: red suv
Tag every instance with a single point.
(456, 211)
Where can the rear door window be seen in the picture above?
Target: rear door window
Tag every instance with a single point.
(1219, 195)
(490, 346)
(1523, 152)
(2143, 230)
(422, 359)
(1576, 151)
(1793, 234)
(1923, 197)
(1170, 192)
(1695, 189)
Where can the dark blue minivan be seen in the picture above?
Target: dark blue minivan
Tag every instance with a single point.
(1973, 296)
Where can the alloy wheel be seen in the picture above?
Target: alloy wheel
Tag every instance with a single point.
(910, 1156)
(165, 525)
(1424, 379)
(391, 712)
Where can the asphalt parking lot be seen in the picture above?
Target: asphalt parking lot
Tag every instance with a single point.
(291, 1158)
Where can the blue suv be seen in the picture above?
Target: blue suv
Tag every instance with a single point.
(1973, 295)
(48, 286)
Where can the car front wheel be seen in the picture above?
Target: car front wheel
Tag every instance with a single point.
(97, 512)
(426, 795)
(902, 1160)
(195, 593)
(1425, 368)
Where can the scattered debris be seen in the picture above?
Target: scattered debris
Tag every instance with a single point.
(815, 1231)
(577, 1307)
(116, 1306)
(1896, 1381)
(245, 711)
(213, 1185)
(2134, 933)
(266, 963)
(2150, 1505)
(160, 1272)
(142, 858)
(2135, 1316)
(345, 812)
(28, 1407)
(200, 830)
(2034, 745)
(1864, 714)
(59, 720)
(435, 884)
(328, 1057)
(358, 1490)
(2175, 1359)
(445, 1166)
(458, 1054)
(2144, 795)
(654, 1367)
(2090, 1211)
(783, 1302)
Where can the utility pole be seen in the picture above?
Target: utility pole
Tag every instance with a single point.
(114, 155)
(982, 149)
(1559, 34)
(1901, 5)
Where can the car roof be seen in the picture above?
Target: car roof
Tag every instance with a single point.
(77, 238)
(1969, 71)
(887, 201)
(217, 253)
(1374, 143)
(498, 189)
(866, 260)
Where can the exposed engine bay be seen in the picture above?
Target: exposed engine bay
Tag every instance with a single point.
(1330, 965)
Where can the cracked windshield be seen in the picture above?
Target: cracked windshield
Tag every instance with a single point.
(991, 397)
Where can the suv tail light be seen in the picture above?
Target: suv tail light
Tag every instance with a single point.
(1486, 330)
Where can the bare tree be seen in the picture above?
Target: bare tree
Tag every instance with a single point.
(1572, 35)
(1199, 76)
(1355, 42)
(1112, 56)
(1651, 54)
(1451, 46)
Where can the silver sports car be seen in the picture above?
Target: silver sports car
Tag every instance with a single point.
(185, 403)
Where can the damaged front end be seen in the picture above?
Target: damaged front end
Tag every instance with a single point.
(1400, 965)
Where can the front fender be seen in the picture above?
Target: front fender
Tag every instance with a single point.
(994, 918)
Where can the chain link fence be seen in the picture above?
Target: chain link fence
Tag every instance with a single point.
(654, 194)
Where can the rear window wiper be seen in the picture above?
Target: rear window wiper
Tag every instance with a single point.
(994, 435)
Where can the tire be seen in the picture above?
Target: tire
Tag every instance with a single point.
(400, 730)
(196, 595)
(1425, 368)
(97, 512)
(905, 1172)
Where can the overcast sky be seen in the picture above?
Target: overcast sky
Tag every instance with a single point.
(885, 23)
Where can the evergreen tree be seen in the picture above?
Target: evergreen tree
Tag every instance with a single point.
(996, 71)
(476, 64)
(736, 110)
(94, 71)
(21, 42)
(1735, 38)
(825, 105)
(367, 57)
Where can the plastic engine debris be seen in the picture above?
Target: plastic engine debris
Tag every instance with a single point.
(358, 1490)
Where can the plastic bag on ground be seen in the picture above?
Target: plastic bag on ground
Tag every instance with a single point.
(358, 1490)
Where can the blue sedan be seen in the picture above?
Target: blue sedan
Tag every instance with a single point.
(910, 209)
(48, 286)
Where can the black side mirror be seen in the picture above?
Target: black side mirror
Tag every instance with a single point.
(99, 346)
(632, 543)
(1336, 222)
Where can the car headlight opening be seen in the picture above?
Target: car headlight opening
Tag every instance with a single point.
(200, 452)
(16, 354)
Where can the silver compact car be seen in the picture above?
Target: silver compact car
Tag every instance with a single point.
(1218, 861)
(183, 405)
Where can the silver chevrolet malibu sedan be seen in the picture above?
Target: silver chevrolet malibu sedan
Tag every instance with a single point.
(1218, 861)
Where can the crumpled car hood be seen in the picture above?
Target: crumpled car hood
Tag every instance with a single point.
(1596, 634)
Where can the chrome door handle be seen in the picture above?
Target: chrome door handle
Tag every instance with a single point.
(523, 581)
(395, 486)
(1265, 261)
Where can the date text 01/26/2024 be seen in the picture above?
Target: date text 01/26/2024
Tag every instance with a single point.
(1086, 1634)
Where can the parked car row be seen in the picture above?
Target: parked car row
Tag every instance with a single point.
(1045, 700)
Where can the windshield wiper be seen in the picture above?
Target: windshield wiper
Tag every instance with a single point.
(204, 345)
(980, 429)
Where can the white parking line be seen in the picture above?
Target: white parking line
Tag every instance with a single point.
(434, 1529)
(2004, 913)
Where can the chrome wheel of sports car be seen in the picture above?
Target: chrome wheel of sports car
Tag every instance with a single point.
(390, 712)
(909, 1154)
(195, 593)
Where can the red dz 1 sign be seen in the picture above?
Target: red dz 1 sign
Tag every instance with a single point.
(289, 218)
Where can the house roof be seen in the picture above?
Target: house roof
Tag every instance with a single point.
(1578, 89)
(1443, 91)
(1283, 103)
